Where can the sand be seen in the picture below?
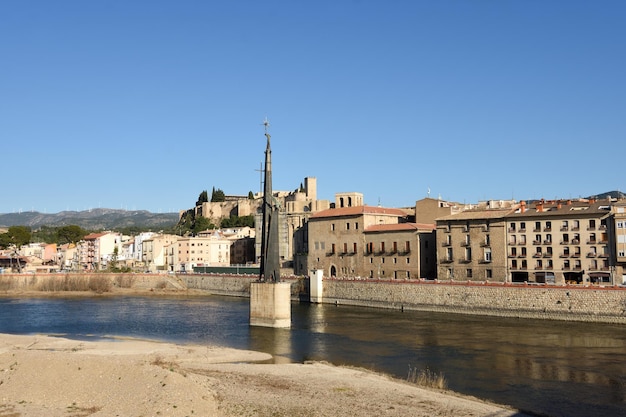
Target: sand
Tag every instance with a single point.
(50, 376)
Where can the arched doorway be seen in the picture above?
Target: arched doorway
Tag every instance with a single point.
(333, 271)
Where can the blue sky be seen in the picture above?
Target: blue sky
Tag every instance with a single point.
(145, 104)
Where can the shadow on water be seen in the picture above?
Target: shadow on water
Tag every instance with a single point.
(552, 368)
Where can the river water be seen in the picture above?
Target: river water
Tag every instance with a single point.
(552, 368)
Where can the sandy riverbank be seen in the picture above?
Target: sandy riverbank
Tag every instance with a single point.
(49, 376)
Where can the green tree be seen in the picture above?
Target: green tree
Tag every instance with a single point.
(70, 234)
(217, 196)
(201, 224)
(203, 198)
(16, 235)
(238, 221)
(250, 195)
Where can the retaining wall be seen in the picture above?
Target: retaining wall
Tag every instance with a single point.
(571, 303)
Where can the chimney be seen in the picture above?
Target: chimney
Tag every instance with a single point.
(558, 205)
(539, 206)
(522, 206)
(592, 200)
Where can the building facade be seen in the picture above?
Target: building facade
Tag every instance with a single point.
(370, 242)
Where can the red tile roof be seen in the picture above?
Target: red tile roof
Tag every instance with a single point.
(359, 210)
(400, 227)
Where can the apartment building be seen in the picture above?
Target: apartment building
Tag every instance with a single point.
(370, 242)
(187, 252)
(97, 249)
(559, 242)
(154, 251)
(618, 231)
(471, 245)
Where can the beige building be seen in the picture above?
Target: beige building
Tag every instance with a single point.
(189, 252)
(370, 242)
(154, 251)
(546, 242)
(97, 249)
(618, 231)
(560, 242)
(471, 245)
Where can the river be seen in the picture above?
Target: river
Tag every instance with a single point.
(552, 368)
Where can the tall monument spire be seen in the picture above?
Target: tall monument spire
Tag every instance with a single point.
(270, 265)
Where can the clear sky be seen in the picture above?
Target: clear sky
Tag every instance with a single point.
(145, 104)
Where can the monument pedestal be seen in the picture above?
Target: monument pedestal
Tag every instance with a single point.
(270, 304)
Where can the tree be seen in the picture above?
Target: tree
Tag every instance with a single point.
(70, 234)
(203, 198)
(201, 224)
(217, 196)
(16, 235)
(250, 195)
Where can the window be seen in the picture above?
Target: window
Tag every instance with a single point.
(548, 226)
(468, 273)
(487, 255)
(332, 249)
(537, 226)
(564, 225)
(408, 246)
(575, 225)
(512, 227)
(487, 240)
(566, 264)
(592, 224)
(354, 247)
(332, 227)
(347, 226)
(449, 254)
(468, 254)
(522, 226)
(513, 251)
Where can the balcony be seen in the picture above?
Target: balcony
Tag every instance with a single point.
(446, 244)
(591, 242)
(536, 242)
(547, 242)
(464, 260)
(537, 255)
(521, 255)
(591, 255)
(485, 244)
(547, 229)
(465, 244)
(547, 255)
(446, 261)
(564, 228)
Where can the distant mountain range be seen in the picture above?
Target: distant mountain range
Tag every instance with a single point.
(94, 219)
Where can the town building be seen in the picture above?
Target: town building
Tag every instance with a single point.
(359, 241)
(618, 210)
(188, 252)
(471, 245)
(97, 249)
(154, 251)
(561, 241)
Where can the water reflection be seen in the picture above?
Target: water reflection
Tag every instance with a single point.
(555, 368)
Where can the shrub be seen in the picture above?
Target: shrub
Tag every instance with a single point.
(426, 378)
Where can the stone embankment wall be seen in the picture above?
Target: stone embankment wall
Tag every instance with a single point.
(237, 285)
(571, 303)
(550, 302)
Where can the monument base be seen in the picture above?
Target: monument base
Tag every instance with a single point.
(270, 304)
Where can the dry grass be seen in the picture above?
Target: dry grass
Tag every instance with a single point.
(98, 284)
(426, 378)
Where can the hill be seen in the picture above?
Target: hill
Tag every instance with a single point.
(95, 219)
